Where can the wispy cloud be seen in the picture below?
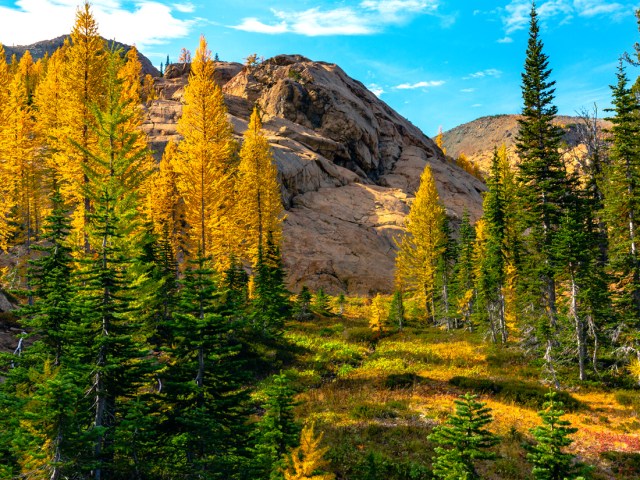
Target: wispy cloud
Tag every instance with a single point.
(185, 7)
(376, 89)
(423, 84)
(515, 15)
(489, 72)
(468, 90)
(506, 39)
(147, 23)
(366, 18)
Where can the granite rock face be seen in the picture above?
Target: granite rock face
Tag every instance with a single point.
(349, 166)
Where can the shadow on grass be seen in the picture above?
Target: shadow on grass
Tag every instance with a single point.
(623, 464)
(525, 394)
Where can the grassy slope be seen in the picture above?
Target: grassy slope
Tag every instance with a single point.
(378, 399)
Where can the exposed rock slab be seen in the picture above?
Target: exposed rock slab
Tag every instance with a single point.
(348, 164)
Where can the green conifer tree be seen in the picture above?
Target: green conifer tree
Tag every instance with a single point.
(622, 203)
(277, 432)
(463, 281)
(544, 185)
(549, 460)
(463, 440)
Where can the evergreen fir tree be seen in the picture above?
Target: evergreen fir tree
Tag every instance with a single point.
(622, 203)
(120, 364)
(270, 306)
(302, 307)
(321, 302)
(205, 425)
(463, 440)
(549, 460)
(463, 281)
(544, 186)
(277, 432)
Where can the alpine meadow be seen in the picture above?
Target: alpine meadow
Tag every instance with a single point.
(262, 271)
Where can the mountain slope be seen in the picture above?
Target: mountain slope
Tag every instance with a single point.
(39, 49)
(478, 138)
(348, 164)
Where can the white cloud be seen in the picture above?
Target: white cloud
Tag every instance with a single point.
(376, 89)
(148, 23)
(489, 72)
(592, 8)
(368, 17)
(185, 7)
(505, 40)
(255, 25)
(423, 84)
(476, 105)
(516, 13)
(468, 90)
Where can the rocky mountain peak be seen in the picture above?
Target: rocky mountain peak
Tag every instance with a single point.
(348, 163)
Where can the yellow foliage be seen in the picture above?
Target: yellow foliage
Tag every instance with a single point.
(204, 163)
(83, 85)
(21, 170)
(439, 140)
(422, 245)
(6, 227)
(307, 460)
(164, 206)
(378, 314)
(634, 369)
(259, 210)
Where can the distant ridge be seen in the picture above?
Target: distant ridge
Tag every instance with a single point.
(39, 49)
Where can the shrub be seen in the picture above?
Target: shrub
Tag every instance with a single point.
(524, 394)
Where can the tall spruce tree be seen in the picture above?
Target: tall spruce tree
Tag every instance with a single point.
(120, 365)
(622, 203)
(544, 187)
(491, 282)
(277, 432)
(462, 282)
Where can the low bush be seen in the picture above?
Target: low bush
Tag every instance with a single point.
(525, 394)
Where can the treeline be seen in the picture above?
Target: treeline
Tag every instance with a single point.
(553, 262)
(149, 290)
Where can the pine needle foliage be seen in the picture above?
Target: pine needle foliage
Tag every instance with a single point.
(550, 461)
(462, 440)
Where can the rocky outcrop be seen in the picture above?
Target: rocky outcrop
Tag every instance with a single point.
(348, 164)
(39, 49)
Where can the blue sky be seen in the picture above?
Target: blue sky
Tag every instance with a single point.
(437, 62)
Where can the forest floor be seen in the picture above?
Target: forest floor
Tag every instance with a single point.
(377, 398)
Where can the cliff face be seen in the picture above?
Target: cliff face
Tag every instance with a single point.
(348, 165)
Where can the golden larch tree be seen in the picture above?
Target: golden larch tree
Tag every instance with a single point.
(49, 103)
(423, 244)
(204, 163)
(258, 207)
(21, 167)
(6, 227)
(308, 458)
(83, 88)
(164, 206)
(378, 314)
(130, 74)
